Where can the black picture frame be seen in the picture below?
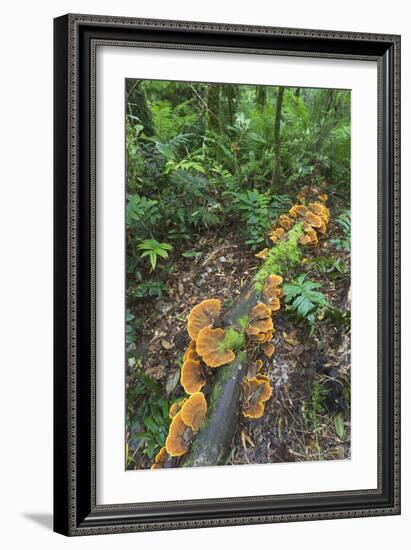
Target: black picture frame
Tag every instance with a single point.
(76, 38)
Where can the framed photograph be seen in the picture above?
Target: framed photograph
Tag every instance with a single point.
(227, 279)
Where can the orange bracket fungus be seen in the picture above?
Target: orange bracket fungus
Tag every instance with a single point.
(276, 234)
(260, 320)
(194, 411)
(273, 281)
(320, 210)
(191, 352)
(273, 302)
(272, 292)
(203, 315)
(193, 376)
(313, 219)
(285, 222)
(268, 348)
(262, 255)
(298, 210)
(160, 458)
(210, 347)
(256, 391)
(260, 337)
(179, 436)
(175, 407)
(309, 239)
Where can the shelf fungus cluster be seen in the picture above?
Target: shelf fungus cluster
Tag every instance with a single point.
(207, 349)
(315, 217)
(187, 416)
(210, 347)
(256, 389)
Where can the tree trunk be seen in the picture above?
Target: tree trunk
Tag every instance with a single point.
(230, 95)
(138, 107)
(213, 121)
(277, 138)
(261, 96)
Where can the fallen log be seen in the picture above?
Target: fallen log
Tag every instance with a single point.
(213, 442)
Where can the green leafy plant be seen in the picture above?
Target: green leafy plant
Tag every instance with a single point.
(279, 204)
(254, 211)
(148, 289)
(344, 221)
(314, 407)
(328, 264)
(148, 414)
(304, 298)
(191, 254)
(141, 210)
(153, 249)
(130, 337)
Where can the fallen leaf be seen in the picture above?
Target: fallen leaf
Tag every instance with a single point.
(297, 350)
(166, 344)
(172, 381)
(339, 425)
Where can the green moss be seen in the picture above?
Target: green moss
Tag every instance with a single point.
(283, 255)
(243, 322)
(233, 340)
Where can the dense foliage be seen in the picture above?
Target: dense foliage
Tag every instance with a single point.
(202, 156)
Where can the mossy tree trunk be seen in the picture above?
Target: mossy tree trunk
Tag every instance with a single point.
(213, 442)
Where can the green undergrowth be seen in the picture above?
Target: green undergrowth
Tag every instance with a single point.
(283, 255)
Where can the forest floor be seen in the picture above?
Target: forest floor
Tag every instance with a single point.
(309, 374)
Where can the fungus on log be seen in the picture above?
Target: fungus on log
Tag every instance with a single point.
(298, 210)
(194, 411)
(175, 407)
(262, 255)
(256, 392)
(212, 443)
(160, 459)
(179, 436)
(286, 222)
(260, 320)
(268, 348)
(276, 234)
(193, 376)
(210, 346)
(313, 219)
(203, 315)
